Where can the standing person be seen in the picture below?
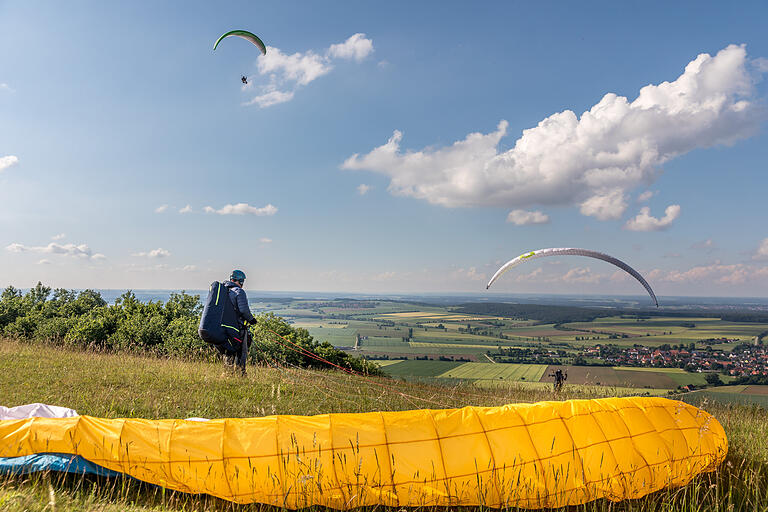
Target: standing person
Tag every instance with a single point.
(560, 378)
(240, 301)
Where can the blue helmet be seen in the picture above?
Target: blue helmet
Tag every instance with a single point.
(237, 275)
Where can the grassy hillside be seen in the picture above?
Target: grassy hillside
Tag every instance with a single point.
(120, 385)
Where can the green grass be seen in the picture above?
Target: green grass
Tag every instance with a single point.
(112, 385)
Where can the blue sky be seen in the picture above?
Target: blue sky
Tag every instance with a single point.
(110, 111)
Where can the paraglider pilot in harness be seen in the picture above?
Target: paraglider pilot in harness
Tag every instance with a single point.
(237, 349)
(223, 323)
(560, 378)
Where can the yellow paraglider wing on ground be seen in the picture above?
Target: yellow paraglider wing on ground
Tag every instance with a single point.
(547, 454)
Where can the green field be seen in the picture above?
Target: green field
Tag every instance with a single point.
(467, 371)
(407, 349)
(385, 330)
(656, 330)
(387, 362)
(388, 321)
(412, 368)
(381, 341)
(650, 378)
(430, 344)
(731, 395)
(500, 371)
(344, 337)
(622, 377)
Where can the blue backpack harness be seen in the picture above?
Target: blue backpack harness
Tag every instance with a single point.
(220, 321)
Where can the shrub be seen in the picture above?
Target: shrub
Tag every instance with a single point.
(85, 319)
(54, 329)
(93, 328)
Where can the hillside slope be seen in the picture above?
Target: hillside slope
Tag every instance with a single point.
(121, 385)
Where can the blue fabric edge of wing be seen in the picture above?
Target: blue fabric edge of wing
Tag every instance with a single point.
(62, 462)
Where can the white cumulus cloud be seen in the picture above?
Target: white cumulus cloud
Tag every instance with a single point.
(186, 209)
(8, 161)
(270, 98)
(356, 47)
(287, 73)
(582, 275)
(591, 161)
(605, 204)
(242, 209)
(644, 221)
(720, 273)
(162, 208)
(363, 189)
(154, 253)
(532, 276)
(707, 245)
(60, 236)
(523, 217)
(75, 250)
(384, 276)
(645, 196)
(265, 240)
(762, 250)
(760, 64)
(469, 274)
(299, 67)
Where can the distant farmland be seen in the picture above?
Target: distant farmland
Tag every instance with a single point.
(623, 377)
(512, 349)
(741, 395)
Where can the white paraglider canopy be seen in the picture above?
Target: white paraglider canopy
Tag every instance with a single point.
(566, 251)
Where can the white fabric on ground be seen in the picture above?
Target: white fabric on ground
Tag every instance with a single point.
(21, 412)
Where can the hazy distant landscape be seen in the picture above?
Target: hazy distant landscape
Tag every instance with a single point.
(665, 350)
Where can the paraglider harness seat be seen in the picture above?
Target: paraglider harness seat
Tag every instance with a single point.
(219, 326)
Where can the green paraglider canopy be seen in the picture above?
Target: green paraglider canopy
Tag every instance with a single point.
(248, 36)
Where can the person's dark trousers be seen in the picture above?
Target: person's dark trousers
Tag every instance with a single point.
(235, 351)
(243, 354)
(230, 347)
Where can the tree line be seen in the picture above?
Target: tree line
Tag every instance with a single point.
(85, 320)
